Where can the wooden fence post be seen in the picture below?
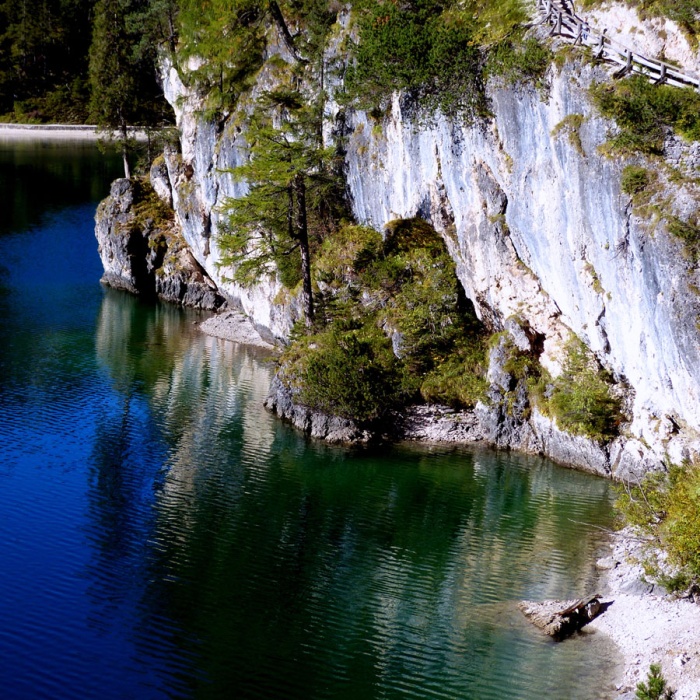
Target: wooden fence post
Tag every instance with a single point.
(601, 47)
(662, 77)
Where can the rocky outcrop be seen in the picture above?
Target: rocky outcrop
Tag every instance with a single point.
(282, 401)
(235, 326)
(434, 423)
(534, 216)
(124, 257)
(143, 253)
(541, 230)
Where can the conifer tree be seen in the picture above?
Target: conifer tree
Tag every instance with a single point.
(112, 72)
(293, 190)
(655, 687)
(124, 91)
(227, 39)
(43, 51)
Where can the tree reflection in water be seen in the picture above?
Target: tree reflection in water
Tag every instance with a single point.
(260, 564)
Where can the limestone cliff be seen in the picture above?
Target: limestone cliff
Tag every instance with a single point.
(534, 216)
(143, 252)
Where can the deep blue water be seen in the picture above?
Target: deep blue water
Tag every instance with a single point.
(161, 536)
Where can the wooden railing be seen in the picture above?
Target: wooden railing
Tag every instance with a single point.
(561, 16)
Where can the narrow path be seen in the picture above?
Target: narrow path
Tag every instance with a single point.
(565, 23)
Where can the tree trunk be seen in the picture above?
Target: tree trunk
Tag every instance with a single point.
(301, 234)
(125, 155)
(278, 17)
(148, 137)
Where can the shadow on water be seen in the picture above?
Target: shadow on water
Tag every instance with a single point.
(38, 177)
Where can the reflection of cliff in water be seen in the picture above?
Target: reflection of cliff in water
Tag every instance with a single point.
(182, 402)
(200, 390)
(256, 563)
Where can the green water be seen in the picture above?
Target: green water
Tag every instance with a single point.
(162, 536)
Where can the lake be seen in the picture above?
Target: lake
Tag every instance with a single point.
(162, 536)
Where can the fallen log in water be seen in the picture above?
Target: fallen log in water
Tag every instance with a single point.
(560, 619)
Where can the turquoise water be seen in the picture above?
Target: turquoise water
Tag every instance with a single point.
(161, 536)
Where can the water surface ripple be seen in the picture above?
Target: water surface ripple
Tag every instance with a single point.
(163, 537)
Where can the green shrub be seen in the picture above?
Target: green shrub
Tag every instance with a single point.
(581, 400)
(666, 507)
(519, 61)
(634, 179)
(347, 254)
(441, 51)
(643, 110)
(655, 687)
(425, 309)
(442, 343)
(458, 380)
(149, 209)
(689, 232)
(571, 125)
(348, 370)
(369, 290)
(413, 47)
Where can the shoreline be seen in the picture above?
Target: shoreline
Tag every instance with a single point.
(647, 625)
(235, 326)
(58, 132)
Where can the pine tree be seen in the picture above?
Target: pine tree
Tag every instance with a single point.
(655, 688)
(124, 91)
(293, 190)
(43, 52)
(112, 71)
(226, 39)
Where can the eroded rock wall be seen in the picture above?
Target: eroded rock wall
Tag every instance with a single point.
(146, 255)
(540, 230)
(535, 218)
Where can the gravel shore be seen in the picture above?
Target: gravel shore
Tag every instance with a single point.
(235, 326)
(57, 132)
(647, 625)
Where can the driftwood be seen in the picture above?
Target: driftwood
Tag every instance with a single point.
(560, 619)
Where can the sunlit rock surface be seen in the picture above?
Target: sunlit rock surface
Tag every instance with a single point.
(538, 226)
(149, 258)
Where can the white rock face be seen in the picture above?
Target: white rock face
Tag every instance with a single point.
(542, 231)
(201, 183)
(535, 220)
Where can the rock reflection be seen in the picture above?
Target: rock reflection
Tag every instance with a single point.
(257, 564)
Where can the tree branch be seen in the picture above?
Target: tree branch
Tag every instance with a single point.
(284, 31)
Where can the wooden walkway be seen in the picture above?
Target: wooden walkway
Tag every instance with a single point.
(565, 23)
